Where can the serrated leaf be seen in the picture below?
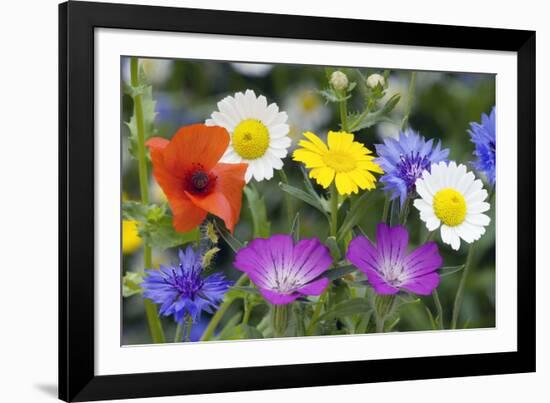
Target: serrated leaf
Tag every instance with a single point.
(148, 105)
(370, 119)
(347, 308)
(131, 284)
(161, 234)
(331, 95)
(256, 204)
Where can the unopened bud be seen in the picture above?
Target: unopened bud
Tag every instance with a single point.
(339, 80)
(374, 79)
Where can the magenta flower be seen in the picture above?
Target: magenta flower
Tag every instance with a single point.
(389, 268)
(283, 271)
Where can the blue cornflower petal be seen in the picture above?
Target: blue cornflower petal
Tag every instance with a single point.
(484, 137)
(182, 290)
(403, 161)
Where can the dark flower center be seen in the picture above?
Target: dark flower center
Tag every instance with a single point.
(411, 167)
(188, 283)
(198, 181)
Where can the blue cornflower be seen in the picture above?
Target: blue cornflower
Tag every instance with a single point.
(182, 290)
(484, 137)
(403, 161)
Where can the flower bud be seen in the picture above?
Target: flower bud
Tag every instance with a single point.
(374, 79)
(339, 80)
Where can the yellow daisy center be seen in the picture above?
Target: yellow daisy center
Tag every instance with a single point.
(450, 207)
(340, 161)
(250, 139)
(309, 102)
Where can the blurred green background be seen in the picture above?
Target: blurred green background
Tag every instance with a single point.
(444, 104)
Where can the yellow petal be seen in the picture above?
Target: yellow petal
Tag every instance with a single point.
(371, 166)
(324, 176)
(344, 184)
(310, 159)
(130, 238)
(311, 147)
(316, 141)
(339, 141)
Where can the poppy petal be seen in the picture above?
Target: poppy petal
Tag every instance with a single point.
(187, 215)
(171, 184)
(226, 198)
(195, 145)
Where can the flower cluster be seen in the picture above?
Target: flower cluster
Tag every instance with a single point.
(205, 168)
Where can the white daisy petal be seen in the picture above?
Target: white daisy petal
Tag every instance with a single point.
(223, 121)
(433, 223)
(278, 152)
(423, 191)
(446, 234)
(270, 114)
(476, 208)
(280, 118)
(465, 182)
(476, 197)
(465, 232)
(282, 142)
(278, 131)
(455, 239)
(227, 107)
(478, 219)
(230, 157)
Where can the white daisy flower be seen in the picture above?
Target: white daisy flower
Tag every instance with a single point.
(452, 199)
(252, 69)
(306, 110)
(259, 133)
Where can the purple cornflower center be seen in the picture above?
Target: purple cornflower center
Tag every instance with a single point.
(411, 167)
(188, 283)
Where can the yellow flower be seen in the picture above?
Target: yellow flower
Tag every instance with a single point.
(344, 161)
(130, 238)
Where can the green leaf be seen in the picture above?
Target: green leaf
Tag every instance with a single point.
(354, 216)
(347, 308)
(366, 120)
(338, 272)
(228, 327)
(256, 204)
(241, 332)
(131, 284)
(303, 196)
(333, 248)
(155, 225)
(233, 242)
(448, 270)
(149, 115)
(295, 231)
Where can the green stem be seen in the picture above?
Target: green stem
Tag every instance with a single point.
(333, 209)
(247, 312)
(279, 319)
(439, 309)
(386, 209)
(188, 327)
(178, 336)
(316, 313)
(383, 308)
(344, 114)
(460, 291)
(404, 211)
(288, 200)
(209, 331)
(155, 327)
(410, 96)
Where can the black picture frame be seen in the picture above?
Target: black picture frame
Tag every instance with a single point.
(77, 21)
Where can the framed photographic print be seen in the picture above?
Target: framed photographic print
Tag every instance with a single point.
(258, 201)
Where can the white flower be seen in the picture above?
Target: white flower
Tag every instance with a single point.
(259, 133)
(339, 80)
(453, 199)
(252, 69)
(306, 110)
(374, 79)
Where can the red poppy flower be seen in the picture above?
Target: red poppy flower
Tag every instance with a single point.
(195, 183)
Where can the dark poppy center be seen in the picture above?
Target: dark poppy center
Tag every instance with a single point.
(200, 180)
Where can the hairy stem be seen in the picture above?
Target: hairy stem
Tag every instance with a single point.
(460, 291)
(155, 327)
